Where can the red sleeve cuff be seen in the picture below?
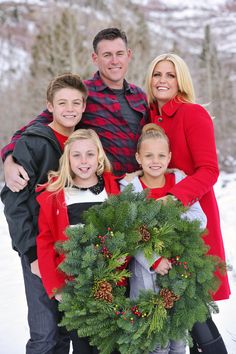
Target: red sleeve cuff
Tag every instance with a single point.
(156, 263)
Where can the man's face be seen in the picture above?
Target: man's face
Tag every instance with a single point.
(112, 59)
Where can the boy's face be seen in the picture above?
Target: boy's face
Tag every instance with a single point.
(154, 156)
(112, 59)
(67, 108)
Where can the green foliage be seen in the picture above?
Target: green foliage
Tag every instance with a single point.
(97, 307)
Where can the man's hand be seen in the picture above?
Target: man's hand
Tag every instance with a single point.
(34, 266)
(16, 177)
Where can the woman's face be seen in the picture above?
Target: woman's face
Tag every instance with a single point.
(164, 82)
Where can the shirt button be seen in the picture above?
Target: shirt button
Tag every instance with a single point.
(160, 119)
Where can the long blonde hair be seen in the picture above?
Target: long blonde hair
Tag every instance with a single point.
(64, 176)
(186, 90)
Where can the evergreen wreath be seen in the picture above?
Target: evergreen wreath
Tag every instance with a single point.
(98, 308)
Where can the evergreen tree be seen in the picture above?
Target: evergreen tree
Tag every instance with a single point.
(59, 47)
(216, 91)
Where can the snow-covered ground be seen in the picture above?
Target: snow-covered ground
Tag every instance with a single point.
(13, 317)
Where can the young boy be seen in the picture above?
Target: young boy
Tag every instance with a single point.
(38, 151)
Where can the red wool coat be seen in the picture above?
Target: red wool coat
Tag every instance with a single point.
(192, 142)
(53, 221)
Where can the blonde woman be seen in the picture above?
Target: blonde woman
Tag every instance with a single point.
(190, 131)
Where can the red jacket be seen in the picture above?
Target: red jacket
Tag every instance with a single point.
(53, 221)
(192, 142)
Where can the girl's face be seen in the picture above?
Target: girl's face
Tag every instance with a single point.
(154, 157)
(164, 82)
(84, 162)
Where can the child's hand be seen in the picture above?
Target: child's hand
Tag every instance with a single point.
(122, 260)
(163, 267)
(34, 266)
(130, 176)
(58, 297)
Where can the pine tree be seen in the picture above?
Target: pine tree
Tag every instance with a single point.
(217, 90)
(59, 47)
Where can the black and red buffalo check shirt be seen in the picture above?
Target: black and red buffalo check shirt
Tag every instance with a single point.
(103, 114)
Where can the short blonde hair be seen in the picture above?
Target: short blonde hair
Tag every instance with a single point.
(64, 176)
(186, 90)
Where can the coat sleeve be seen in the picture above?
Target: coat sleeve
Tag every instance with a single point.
(195, 211)
(146, 264)
(21, 209)
(199, 133)
(53, 279)
(44, 117)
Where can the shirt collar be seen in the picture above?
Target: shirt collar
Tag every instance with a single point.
(96, 189)
(169, 108)
(100, 85)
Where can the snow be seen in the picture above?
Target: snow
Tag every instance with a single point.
(195, 3)
(13, 62)
(13, 320)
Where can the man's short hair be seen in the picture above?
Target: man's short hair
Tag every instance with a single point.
(109, 34)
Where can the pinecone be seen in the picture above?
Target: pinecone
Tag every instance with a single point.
(104, 291)
(168, 297)
(144, 233)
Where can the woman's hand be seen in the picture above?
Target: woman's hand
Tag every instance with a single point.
(166, 198)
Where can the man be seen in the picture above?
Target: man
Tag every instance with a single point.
(116, 109)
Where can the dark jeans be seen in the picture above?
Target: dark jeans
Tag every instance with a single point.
(43, 317)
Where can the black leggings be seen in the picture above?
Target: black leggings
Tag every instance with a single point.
(207, 338)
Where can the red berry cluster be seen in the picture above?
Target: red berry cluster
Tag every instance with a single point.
(124, 315)
(104, 250)
(136, 311)
(119, 312)
(176, 261)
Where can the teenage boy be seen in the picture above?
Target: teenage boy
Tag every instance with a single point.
(38, 150)
(116, 109)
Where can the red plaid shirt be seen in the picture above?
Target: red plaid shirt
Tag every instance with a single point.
(103, 114)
